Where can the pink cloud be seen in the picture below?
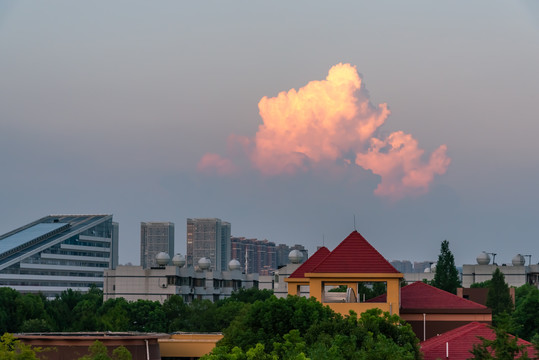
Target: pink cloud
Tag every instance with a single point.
(326, 121)
(215, 163)
(398, 161)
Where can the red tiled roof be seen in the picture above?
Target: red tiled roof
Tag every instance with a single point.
(354, 255)
(423, 296)
(460, 341)
(311, 263)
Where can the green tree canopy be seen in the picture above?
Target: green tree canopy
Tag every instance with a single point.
(498, 297)
(526, 313)
(299, 328)
(503, 347)
(13, 349)
(447, 275)
(98, 351)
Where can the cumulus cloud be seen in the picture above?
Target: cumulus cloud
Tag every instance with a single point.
(327, 121)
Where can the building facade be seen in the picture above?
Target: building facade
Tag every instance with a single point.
(160, 283)
(516, 273)
(208, 238)
(155, 237)
(59, 252)
(262, 256)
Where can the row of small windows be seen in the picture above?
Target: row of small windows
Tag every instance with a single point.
(65, 263)
(66, 284)
(195, 282)
(60, 251)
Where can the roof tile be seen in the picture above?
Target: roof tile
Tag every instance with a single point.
(311, 263)
(460, 342)
(354, 255)
(423, 296)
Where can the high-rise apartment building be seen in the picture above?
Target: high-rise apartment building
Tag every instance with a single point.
(155, 237)
(209, 238)
(262, 256)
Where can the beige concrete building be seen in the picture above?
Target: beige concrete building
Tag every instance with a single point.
(159, 283)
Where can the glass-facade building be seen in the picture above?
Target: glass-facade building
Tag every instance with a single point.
(59, 252)
(155, 237)
(209, 238)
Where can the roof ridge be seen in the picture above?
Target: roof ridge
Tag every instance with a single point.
(355, 255)
(318, 256)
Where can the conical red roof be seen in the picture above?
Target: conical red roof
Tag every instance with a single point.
(311, 263)
(354, 255)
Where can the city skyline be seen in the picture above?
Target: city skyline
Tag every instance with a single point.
(297, 122)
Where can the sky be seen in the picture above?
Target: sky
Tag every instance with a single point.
(413, 122)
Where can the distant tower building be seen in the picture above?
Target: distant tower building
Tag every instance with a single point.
(155, 237)
(404, 266)
(209, 238)
(261, 256)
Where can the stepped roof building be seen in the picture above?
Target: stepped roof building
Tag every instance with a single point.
(59, 252)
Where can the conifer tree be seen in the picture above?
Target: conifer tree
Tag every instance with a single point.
(498, 297)
(447, 275)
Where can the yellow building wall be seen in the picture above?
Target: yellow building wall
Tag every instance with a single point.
(188, 345)
(392, 305)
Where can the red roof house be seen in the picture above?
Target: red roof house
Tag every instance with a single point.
(310, 263)
(432, 311)
(355, 255)
(354, 264)
(457, 343)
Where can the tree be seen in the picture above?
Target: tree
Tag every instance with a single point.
(112, 315)
(13, 349)
(8, 310)
(526, 313)
(498, 297)
(447, 275)
(297, 328)
(503, 347)
(147, 316)
(98, 351)
(266, 322)
(249, 295)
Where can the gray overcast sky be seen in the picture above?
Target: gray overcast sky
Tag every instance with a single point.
(108, 107)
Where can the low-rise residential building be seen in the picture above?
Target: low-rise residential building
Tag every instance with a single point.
(160, 283)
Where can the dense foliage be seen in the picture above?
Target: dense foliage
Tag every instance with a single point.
(498, 297)
(98, 351)
(503, 347)
(75, 311)
(13, 349)
(447, 275)
(301, 328)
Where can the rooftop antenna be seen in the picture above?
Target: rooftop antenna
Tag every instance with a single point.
(323, 240)
(493, 258)
(355, 222)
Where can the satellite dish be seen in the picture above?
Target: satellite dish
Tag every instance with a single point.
(351, 295)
